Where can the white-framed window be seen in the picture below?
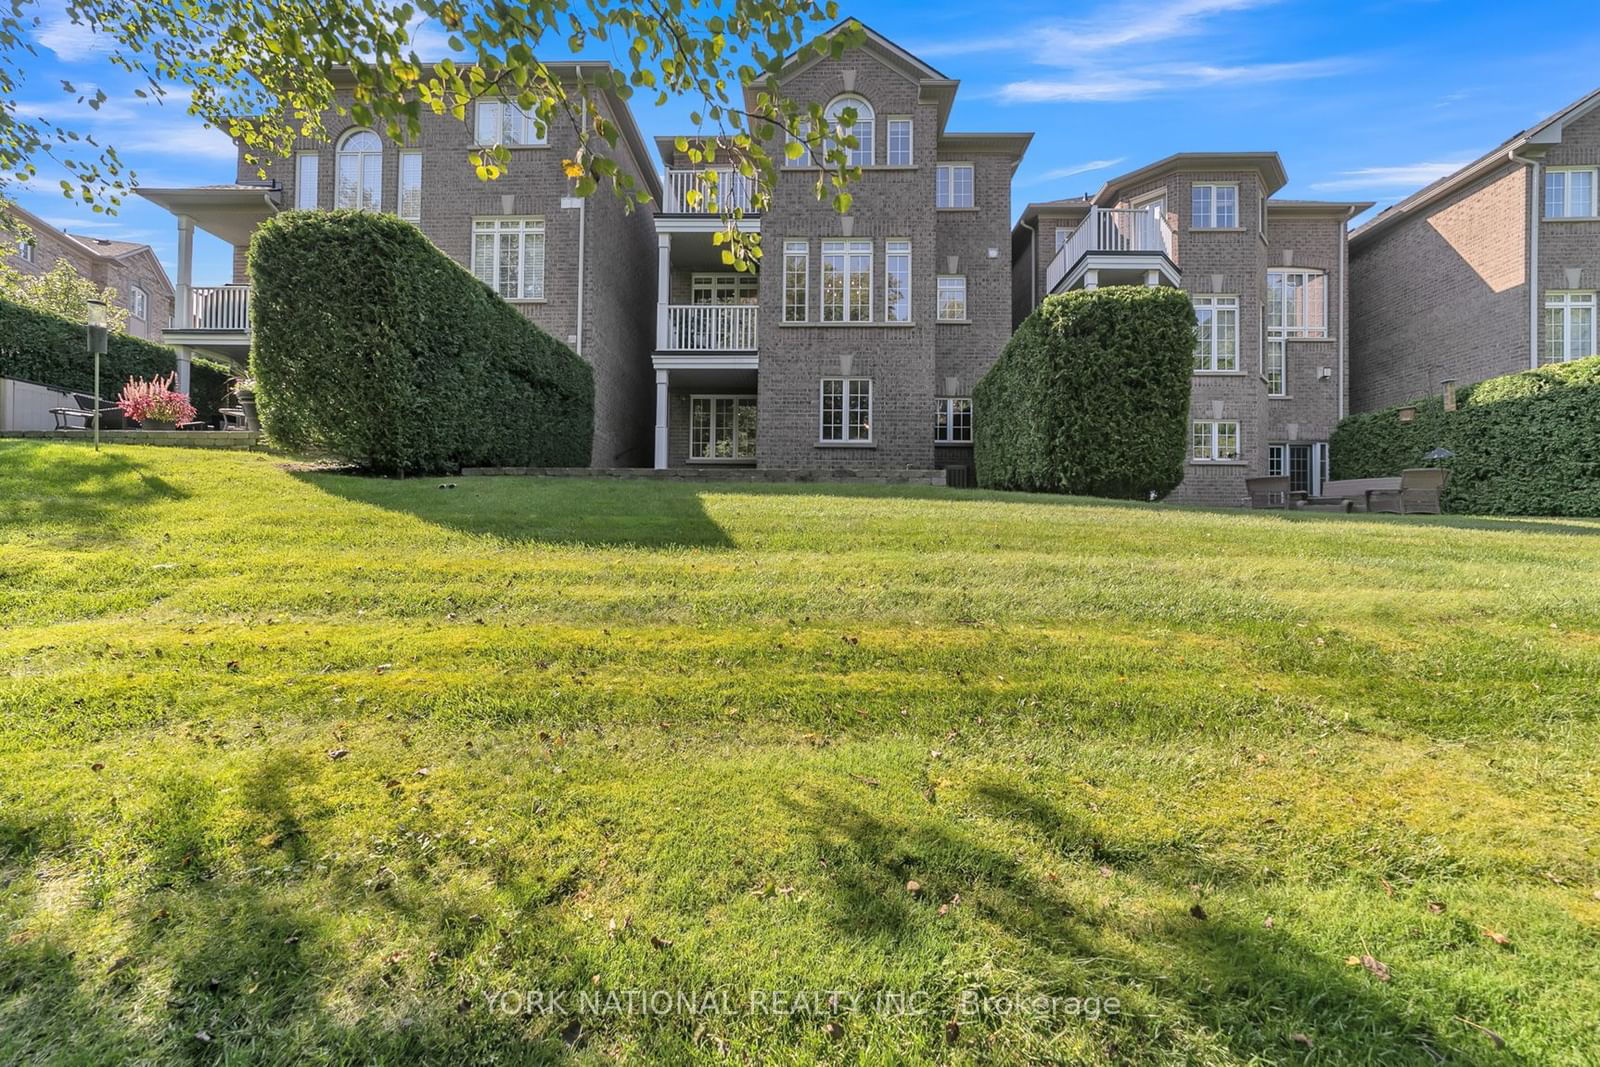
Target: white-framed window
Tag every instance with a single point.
(409, 201)
(952, 185)
(1569, 192)
(847, 411)
(360, 171)
(861, 128)
(1297, 306)
(1217, 344)
(1568, 326)
(1063, 235)
(722, 428)
(898, 131)
(796, 281)
(138, 303)
(307, 175)
(1277, 461)
(846, 281)
(802, 129)
(897, 281)
(731, 287)
(508, 256)
(1214, 441)
(26, 250)
(952, 420)
(503, 122)
(952, 297)
(1213, 206)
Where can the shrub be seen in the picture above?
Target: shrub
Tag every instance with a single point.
(208, 388)
(156, 400)
(1524, 444)
(38, 346)
(373, 346)
(1091, 396)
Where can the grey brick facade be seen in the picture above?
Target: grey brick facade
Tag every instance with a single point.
(1451, 282)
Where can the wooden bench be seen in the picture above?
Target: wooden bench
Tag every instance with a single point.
(1355, 490)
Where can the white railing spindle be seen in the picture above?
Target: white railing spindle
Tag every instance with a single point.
(219, 307)
(733, 191)
(710, 328)
(1111, 230)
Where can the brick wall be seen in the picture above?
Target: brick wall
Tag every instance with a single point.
(121, 274)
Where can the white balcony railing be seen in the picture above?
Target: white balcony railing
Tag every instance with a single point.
(710, 328)
(1111, 230)
(690, 192)
(219, 307)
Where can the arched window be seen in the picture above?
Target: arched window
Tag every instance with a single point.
(360, 171)
(861, 129)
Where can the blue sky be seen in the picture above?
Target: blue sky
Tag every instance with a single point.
(1364, 99)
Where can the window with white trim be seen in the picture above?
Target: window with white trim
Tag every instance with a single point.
(1277, 461)
(503, 122)
(796, 281)
(307, 168)
(508, 256)
(1217, 344)
(952, 298)
(138, 303)
(732, 287)
(952, 420)
(1297, 306)
(897, 281)
(952, 185)
(722, 428)
(1213, 206)
(1568, 327)
(898, 131)
(1063, 235)
(861, 128)
(1214, 442)
(1569, 192)
(846, 411)
(797, 136)
(359, 171)
(25, 250)
(409, 205)
(846, 281)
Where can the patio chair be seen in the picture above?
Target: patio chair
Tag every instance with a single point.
(232, 419)
(1419, 493)
(1272, 492)
(110, 415)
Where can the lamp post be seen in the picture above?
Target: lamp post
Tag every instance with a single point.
(97, 346)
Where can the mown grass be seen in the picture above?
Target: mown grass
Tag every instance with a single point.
(606, 736)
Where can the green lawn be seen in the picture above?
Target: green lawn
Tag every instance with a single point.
(307, 766)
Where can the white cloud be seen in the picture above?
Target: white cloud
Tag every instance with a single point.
(72, 42)
(1139, 82)
(178, 137)
(1404, 176)
(1068, 42)
(1075, 168)
(428, 39)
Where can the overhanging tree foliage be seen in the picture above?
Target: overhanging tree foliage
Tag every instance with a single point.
(261, 70)
(1090, 396)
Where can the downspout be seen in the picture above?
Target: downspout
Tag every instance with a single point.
(583, 218)
(1344, 317)
(1533, 257)
(1033, 265)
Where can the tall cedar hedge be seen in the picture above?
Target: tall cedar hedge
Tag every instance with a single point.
(208, 387)
(38, 346)
(1524, 444)
(1090, 396)
(372, 346)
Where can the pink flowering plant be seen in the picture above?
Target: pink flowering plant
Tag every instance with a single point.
(156, 400)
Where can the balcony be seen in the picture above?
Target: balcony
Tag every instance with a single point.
(709, 328)
(1115, 246)
(225, 308)
(689, 192)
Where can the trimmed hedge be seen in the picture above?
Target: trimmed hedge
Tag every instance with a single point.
(1090, 396)
(372, 346)
(1524, 444)
(208, 387)
(38, 346)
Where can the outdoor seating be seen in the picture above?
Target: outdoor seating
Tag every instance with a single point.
(1272, 492)
(1418, 493)
(110, 415)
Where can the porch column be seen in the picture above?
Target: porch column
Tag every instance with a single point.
(184, 362)
(661, 420)
(663, 288)
(1152, 278)
(180, 305)
(1091, 279)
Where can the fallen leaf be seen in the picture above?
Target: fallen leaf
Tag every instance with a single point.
(338, 753)
(1499, 1042)
(202, 1037)
(1198, 912)
(1267, 922)
(833, 1030)
(97, 766)
(1301, 1039)
(384, 668)
(659, 942)
(1500, 939)
(1379, 970)
(1388, 890)
(118, 964)
(1436, 906)
(913, 886)
(1106, 872)
(952, 1031)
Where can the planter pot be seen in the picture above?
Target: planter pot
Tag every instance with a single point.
(156, 424)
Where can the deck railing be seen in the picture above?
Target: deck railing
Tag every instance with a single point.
(219, 307)
(690, 192)
(710, 328)
(1111, 230)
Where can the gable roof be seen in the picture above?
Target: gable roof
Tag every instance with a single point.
(1268, 164)
(1534, 141)
(103, 248)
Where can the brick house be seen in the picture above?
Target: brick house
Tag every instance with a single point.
(1267, 278)
(133, 270)
(1440, 282)
(859, 340)
(582, 269)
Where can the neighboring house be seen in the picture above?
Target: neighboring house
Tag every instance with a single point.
(131, 269)
(1267, 278)
(857, 344)
(583, 270)
(1440, 282)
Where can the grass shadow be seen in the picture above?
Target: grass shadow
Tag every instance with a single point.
(97, 492)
